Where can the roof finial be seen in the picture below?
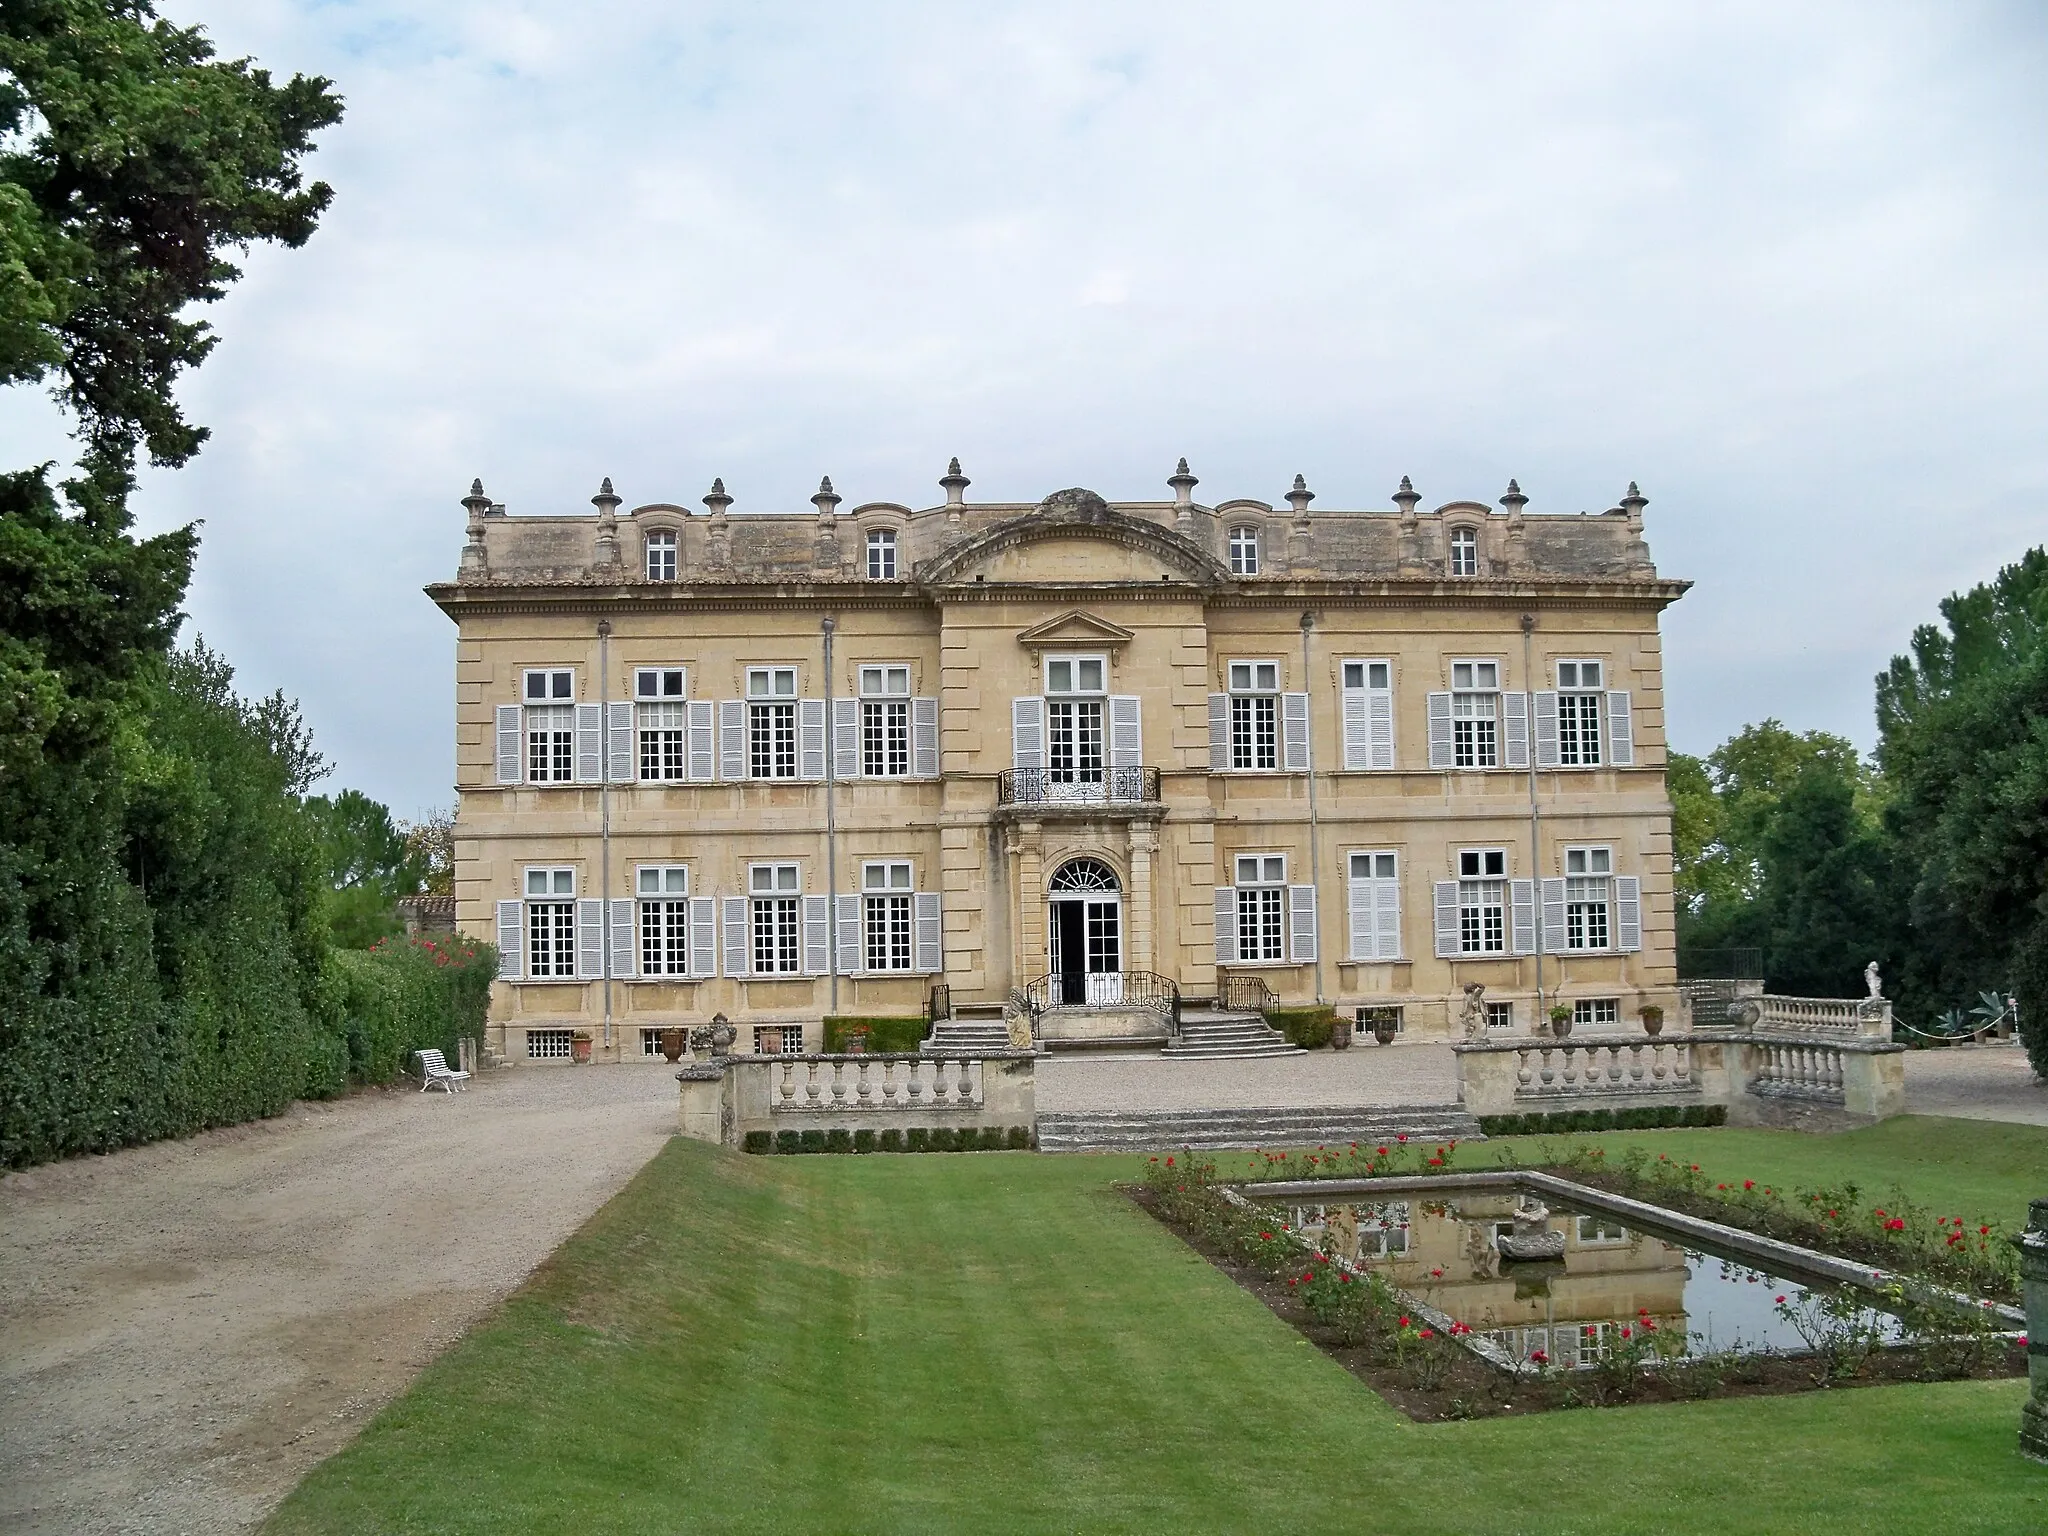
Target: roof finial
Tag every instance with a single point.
(716, 499)
(827, 500)
(1514, 501)
(1406, 498)
(606, 500)
(1183, 485)
(1633, 504)
(1300, 496)
(955, 483)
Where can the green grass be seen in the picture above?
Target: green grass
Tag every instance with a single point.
(999, 1342)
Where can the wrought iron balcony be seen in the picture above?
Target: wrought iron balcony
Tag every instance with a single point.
(1077, 786)
(1102, 989)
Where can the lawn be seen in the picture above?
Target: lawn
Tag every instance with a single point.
(1000, 1342)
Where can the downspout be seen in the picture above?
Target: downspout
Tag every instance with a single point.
(604, 811)
(1535, 810)
(1315, 848)
(831, 827)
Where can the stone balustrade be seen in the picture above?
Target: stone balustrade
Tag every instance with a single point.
(1799, 1069)
(1630, 1065)
(808, 1084)
(1769, 1014)
(727, 1097)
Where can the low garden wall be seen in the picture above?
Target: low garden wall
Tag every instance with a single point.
(730, 1097)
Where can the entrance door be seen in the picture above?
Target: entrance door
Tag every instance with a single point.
(1084, 924)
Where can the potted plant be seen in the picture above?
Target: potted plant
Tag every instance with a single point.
(1560, 1019)
(1384, 1022)
(579, 1047)
(672, 1041)
(857, 1040)
(1653, 1019)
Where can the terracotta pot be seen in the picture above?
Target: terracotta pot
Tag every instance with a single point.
(1340, 1034)
(579, 1049)
(672, 1045)
(857, 1045)
(1384, 1033)
(1653, 1021)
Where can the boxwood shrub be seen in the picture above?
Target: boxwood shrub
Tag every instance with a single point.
(886, 1032)
(839, 1141)
(889, 1141)
(1662, 1117)
(757, 1141)
(786, 1142)
(863, 1141)
(1308, 1028)
(917, 1139)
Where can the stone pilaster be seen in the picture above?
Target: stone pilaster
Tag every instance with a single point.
(1029, 937)
(1138, 920)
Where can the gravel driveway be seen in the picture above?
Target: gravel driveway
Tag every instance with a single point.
(186, 1329)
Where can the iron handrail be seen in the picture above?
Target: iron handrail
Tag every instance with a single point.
(1246, 993)
(938, 1004)
(1077, 786)
(1135, 989)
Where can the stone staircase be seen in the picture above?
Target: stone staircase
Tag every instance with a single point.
(1223, 1129)
(1213, 1035)
(974, 1030)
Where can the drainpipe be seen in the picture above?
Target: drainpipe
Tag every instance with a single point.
(604, 811)
(831, 826)
(1315, 848)
(1535, 809)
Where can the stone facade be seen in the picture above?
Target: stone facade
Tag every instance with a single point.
(1149, 737)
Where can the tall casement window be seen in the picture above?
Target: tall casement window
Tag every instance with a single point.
(550, 727)
(885, 915)
(550, 923)
(1586, 898)
(664, 891)
(773, 896)
(660, 700)
(1076, 697)
(1482, 901)
(884, 722)
(1244, 551)
(881, 554)
(1369, 714)
(771, 722)
(1261, 907)
(661, 555)
(1579, 691)
(1254, 714)
(1475, 708)
(1375, 905)
(1464, 552)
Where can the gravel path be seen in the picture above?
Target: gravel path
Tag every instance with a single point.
(1421, 1072)
(1976, 1082)
(186, 1329)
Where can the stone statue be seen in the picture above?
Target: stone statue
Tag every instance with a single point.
(1872, 980)
(1473, 1015)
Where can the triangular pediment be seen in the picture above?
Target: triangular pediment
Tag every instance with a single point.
(1075, 628)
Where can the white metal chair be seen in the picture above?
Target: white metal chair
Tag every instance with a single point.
(434, 1069)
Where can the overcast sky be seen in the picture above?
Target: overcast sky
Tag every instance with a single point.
(1782, 264)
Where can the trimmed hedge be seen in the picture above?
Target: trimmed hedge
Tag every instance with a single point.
(886, 1032)
(1664, 1117)
(405, 995)
(1308, 1028)
(986, 1138)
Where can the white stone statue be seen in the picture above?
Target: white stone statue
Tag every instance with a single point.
(1473, 1015)
(1872, 980)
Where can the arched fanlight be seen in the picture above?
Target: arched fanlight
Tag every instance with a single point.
(1084, 875)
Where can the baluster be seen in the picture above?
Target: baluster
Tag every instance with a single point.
(811, 1084)
(1525, 1071)
(1617, 1068)
(1635, 1064)
(915, 1085)
(1659, 1068)
(841, 1089)
(861, 1089)
(889, 1085)
(974, 1089)
(1681, 1064)
(1547, 1072)
(788, 1081)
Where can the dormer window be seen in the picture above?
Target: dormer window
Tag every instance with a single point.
(882, 554)
(1244, 551)
(661, 555)
(1464, 552)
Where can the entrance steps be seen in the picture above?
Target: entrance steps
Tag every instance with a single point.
(1213, 1035)
(1227, 1129)
(967, 1035)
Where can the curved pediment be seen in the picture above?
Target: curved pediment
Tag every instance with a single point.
(1074, 536)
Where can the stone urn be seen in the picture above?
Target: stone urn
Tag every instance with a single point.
(1340, 1033)
(1384, 1030)
(579, 1048)
(1653, 1020)
(672, 1042)
(1560, 1022)
(1531, 1238)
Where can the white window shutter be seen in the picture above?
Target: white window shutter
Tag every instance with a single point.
(702, 740)
(1621, 740)
(924, 738)
(734, 924)
(703, 936)
(810, 739)
(1294, 732)
(619, 766)
(1357, 729)
(816, 912)
(589, 743)
(1514, 730)
(928, 930)
(1441, 752)
(1380, 710)
(1359, 913)
(1219, 732)
(625, 945)
(1387, 918)
(846, 738)
(1522, 902)
(511, 940)
(1027, 733)
(1546, 728)
(1553, 916)
(732, 738)
(589, 937)
(1226, 925)
(852, 953)
(1301, 923)
(1447, 919)
(511, 744)
(1628, 914)
(1126, 731)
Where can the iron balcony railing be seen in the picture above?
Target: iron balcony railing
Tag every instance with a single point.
(1105, 989)
(1721, 964)
(1077, 786)
(1246, 994)
(938, 1004)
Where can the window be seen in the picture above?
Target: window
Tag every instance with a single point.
(1464, 552)
(1601, 1231)
(1375, 906)
(664, 891)
(1372, 866)
(1255, 714)
(650, 1041)
(1596, 1010)
(1383, 1015)
(1261, 898)
(773, 888)
(547, 1044)
(885, 722)
(659, 695)
(1244, 551)
(1578, 713)
(1586, 910)
(1475, 714)
(1500, 1015)
(1367, 674)
(771, 722)
(1383, 1229)
(1482, 901)
(550, 727)
(885, 915)
(882, 554)
(661, 555)
(1073, 723)
(550, 923)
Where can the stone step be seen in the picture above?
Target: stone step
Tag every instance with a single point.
(1213, 1036)
(1226, 1129)
(966, 1037)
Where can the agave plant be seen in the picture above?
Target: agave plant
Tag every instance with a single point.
(1951, 1023)
(1990, 1010)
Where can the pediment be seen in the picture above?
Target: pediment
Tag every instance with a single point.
(1074, 538)
(1075, 630)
